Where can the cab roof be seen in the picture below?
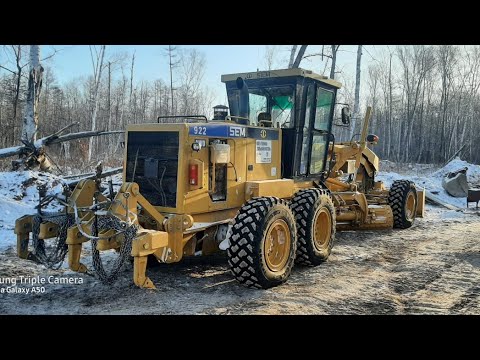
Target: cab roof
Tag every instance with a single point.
(282, 73)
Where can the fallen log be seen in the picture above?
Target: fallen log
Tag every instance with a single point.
(11, 151)
(93, 175)
(456, 153)
(17, 150)
(81, 135)
(53, 139)
(436, 200)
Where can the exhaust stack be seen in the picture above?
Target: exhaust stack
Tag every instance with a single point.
(243, 101)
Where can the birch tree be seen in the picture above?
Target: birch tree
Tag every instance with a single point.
(97, 64)
(172, 63)
(30, 120)
(356, 104)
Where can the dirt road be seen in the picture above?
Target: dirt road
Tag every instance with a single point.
(432, 268)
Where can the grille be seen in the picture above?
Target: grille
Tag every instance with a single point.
(152, 162)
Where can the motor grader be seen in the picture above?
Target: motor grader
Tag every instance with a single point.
(268, 183)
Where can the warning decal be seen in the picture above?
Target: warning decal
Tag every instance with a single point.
(264, 152)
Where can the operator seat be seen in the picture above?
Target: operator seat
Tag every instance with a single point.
(265, 119)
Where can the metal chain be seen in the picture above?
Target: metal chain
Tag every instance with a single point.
(129, 233)
(55, 258)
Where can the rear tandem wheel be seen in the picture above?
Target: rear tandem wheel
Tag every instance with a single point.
(316, 225)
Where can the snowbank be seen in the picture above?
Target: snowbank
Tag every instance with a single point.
(433, 181)
(473, 172)
(19, 196)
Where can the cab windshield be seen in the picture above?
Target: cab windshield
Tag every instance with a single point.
(278, 101)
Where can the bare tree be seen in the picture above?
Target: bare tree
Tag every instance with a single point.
(299, 57)
(293, 51)
(356, 104)
(424, 109)
(329, 56)
(193, 96)
(446, 55)
(271, 53)
(16, 85)
(131, 77)
(30, 121)
(334, 49)
(17, 49)
(416, 62)
(172, 63)
(373, 85)
(97, 63)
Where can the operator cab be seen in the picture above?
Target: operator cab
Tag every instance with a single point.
(297, 101)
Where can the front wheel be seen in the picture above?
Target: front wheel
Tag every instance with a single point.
(402, 198)
(262, 243)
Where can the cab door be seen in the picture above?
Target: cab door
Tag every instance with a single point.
(316, 131)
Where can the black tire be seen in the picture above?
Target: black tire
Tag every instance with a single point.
(246, 254)
(307, 205)
(398, 199)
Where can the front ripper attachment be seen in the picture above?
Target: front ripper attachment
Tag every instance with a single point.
(49, 225)
(118, 228)
(106, 230)
(90, 216)
(134, 238)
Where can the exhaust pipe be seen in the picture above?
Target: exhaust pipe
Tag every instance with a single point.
(243, 101)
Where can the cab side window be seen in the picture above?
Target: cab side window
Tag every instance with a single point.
(323, 109)
(258, 104)
(306, 134)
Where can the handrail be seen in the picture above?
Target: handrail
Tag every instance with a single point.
(181, 117)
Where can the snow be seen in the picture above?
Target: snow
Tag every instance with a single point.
(10, 210)
(9, 151)
(19, 196)
(473, 172)
(433, 181)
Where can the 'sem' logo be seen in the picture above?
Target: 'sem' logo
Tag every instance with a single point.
(236, 131)
(263, 134)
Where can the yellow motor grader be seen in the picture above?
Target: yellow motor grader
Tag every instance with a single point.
(267, 183)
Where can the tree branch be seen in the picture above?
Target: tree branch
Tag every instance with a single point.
(53, 139)
(13, 72)
(299, 57)
(81, 135)
(104, 174)
(55, 51)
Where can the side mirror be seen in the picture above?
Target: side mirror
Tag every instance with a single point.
(373, 139)
(346, 115)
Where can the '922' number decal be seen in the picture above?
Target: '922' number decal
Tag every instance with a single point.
(200, 130)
